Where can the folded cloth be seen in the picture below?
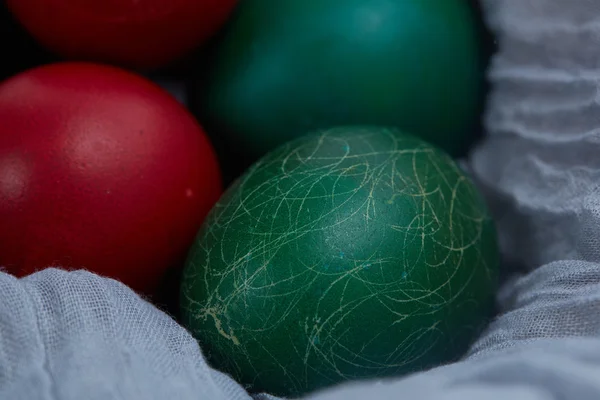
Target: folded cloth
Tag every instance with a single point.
(78, 336)
(75, 335)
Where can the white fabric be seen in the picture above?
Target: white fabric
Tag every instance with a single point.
(73, 335)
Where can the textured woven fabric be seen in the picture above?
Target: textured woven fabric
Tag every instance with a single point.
(74, 335)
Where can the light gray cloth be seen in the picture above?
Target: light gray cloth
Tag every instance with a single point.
(76, 336)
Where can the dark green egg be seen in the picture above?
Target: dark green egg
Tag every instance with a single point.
(283, 67)
(346, 254)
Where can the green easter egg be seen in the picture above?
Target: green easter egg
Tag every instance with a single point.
(347, 254)
(281, 68)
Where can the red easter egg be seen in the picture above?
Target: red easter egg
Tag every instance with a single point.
(136, 33)
(100, 169)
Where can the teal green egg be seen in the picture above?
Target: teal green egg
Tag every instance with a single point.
(281, 68)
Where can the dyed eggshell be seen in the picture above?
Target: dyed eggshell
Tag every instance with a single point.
(99, 169)
(347, 254)
(412, 64)
(136, 33)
